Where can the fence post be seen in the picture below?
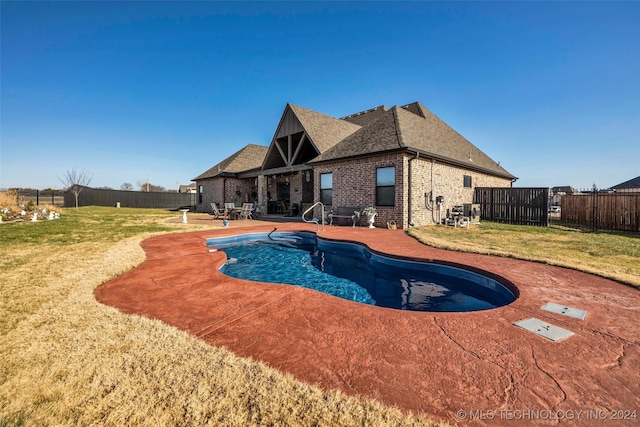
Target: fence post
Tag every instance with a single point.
(491, 203)
(595, 209)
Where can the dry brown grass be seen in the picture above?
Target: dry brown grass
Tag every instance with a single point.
(11, 205)
(9, 200)
(67, 360)
(612, 255)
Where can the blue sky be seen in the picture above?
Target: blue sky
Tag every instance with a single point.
(551, 90)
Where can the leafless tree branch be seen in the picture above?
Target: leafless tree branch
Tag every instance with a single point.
(75, 182)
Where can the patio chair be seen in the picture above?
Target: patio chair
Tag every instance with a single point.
(245, 213)
(216, 212)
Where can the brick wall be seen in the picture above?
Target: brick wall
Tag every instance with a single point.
(445, 180)
(221, 192)
(211, 192)
(354, 184)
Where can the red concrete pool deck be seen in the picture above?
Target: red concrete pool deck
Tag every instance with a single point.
(475, 367)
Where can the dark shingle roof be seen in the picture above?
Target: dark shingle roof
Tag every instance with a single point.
(380, 135)
(366, 117)
(632, 183)
(250, 157)
(324, 131)
(425, 132)
(413, 127)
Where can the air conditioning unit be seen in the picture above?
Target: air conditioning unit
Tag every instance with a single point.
(472, 210)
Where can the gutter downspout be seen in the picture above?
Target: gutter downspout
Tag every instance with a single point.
(224, 190)
(409, 198)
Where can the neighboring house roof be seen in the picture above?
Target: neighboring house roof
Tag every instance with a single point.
(248, 158)
(567, 189)
(632, 183)
(412, 127)
(191, 188)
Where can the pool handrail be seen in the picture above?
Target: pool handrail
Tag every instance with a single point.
(315, 220)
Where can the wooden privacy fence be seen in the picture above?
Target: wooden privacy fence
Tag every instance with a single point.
(129, 199)
(602, 211)
(523, 206)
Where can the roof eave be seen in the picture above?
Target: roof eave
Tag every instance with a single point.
(421, 153)
(463, 164)
(218, 175)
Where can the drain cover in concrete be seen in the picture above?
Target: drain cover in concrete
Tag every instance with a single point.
(547, 330)
(567, 311)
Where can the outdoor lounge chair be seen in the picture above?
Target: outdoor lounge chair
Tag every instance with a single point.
(216, 212)
(245, 213)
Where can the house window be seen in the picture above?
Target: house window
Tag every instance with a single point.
(200, 191)
(326, 188)
(467, 181)
(386, 186)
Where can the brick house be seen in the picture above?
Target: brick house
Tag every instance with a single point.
(631, 186)
(404, 161)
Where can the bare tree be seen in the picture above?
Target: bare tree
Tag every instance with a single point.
(75, 182)
(148, 187)
(127, 186)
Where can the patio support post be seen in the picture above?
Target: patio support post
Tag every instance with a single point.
(262, 193)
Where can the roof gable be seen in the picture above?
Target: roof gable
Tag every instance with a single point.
(302, 134)
(249, 157)
(324, 131)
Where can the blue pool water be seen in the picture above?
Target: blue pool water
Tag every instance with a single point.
(353, 272)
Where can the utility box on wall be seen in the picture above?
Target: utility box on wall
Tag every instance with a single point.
(472, 210)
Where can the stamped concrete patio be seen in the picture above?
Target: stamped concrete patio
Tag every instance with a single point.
(475, 367)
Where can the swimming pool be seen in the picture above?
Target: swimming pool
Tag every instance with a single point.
(354, 272)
